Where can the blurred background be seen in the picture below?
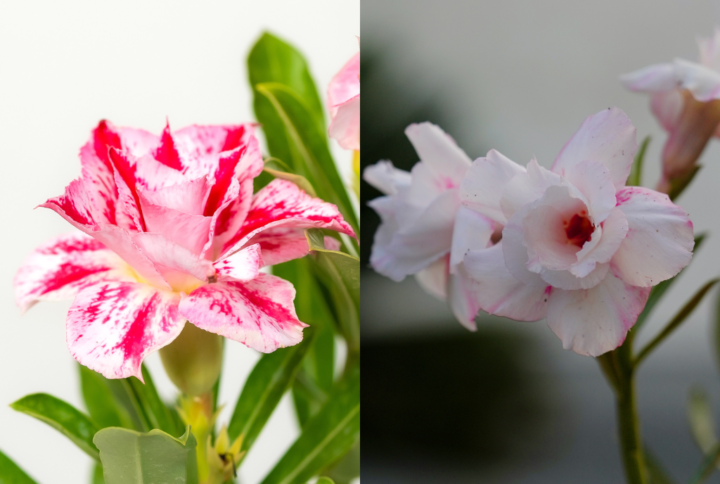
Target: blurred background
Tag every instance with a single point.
(507, 404)
(63, 67)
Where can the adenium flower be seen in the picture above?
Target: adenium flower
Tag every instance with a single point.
(344, 101)
(420, 233)
(578, 247)
(170, 232)
(685, 98)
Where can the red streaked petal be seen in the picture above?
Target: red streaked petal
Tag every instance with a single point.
(182, 269)
(129, 211)
(258, 313)
(282, 244)
(166, 153)
(113, 326)
(58, 269)
(243, 265)
(282, 203)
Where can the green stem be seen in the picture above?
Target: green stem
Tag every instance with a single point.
(619, 369)
(629, 429)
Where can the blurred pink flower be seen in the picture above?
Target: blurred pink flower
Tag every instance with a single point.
(578, 247)
(344, 101)
(419, 233)
(170, 232)
(685, 98)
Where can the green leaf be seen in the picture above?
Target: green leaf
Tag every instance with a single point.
(658, 291)
(679, 185)
(346, 469)
(130, 457)
(675, 322)
(635, 178)
(105, 410)
(326, 438)
(273, 60)
(341, 277)
(308, 151)
(702, 424)
(10, 472)
(707, 466)
(61, 416)
(98, 477)
(264, 388)
(655, 471)
(325, 480)
(153, 408)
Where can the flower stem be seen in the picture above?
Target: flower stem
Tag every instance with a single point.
(618, 367)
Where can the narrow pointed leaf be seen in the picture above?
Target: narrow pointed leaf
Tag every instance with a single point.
(658, 291)
(130, 457)
(655, 471)
(309, 154)
(679, 318)
(264, 388)
(298, 180)
(341, 277)
(707, 466)
(679, 185)
(11, 473)
(702, 424)
(98, 477)
(104, 409)
(326, 438)
(635, 178)
(63, 417)
(153, 407)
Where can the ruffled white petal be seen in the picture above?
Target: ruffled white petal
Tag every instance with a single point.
(471, 231)
(607, 137)
(483, 185)
(439, 153)
(659, 242)
(594, 321)
(385, 177)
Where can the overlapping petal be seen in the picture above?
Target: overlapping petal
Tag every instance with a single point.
(113, 326)
(60, 268)
(257, 313)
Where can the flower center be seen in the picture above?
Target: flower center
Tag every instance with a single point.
(578, 229)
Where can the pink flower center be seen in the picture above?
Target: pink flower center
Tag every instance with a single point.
(578, 229)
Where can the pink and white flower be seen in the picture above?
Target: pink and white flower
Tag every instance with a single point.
(685, 98)
(578, 247)
(420, 233)
(344, 101)
(170, 231)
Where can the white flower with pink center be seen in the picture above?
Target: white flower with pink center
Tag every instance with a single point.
(420, 233)
(170, 231)
(578, 247)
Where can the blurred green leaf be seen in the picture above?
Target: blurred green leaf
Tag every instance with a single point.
(679, 185)
(97, 476)
(347, 468)
(342, 280)
(153, 408)
(702, 424)
(325, 480)
(635, 178)
(675, 322)
(10, 472)
(131, 457)
(326, 438)
(707, 466)
(63, 417)
(308, 151)
(105, 410)
(656, 473)
(658, 291)
(264, 388)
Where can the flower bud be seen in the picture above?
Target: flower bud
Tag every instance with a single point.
(194, 360)
(696, 124)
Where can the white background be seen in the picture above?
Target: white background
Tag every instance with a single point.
(64, 66)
